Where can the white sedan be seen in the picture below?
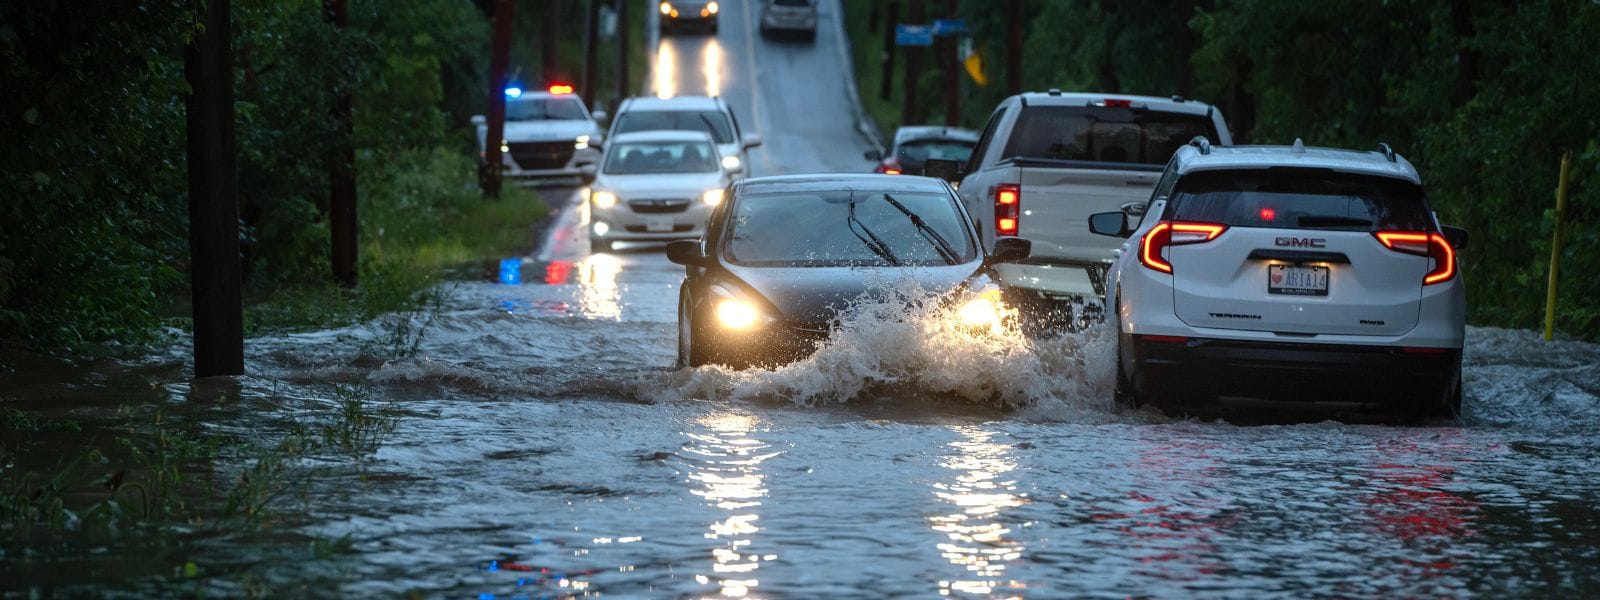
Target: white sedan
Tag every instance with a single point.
(654, 186)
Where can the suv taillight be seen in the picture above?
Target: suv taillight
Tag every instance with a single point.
(1174, 233)
(1007, 208)
(1423, 243)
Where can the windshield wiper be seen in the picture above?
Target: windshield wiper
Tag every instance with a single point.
(873, 242)
(928, 233)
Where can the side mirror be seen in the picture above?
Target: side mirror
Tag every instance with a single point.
(1456, 236)
(751, 140)
(1114, 224)
(686, 253)
(479, 120)
(872, 155)
(599, 115)
(942, 168)
(1010, 249)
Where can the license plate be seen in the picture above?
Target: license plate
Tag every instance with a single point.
(658, 224)
(1297, 280)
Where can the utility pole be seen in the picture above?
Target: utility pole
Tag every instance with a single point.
(213, 197)
(910, 109)
(1013, 47)
(591, 37)
(952, 83)
(622, 54)
(886, 85)
(499, 56)
(342, 168)
(550, 45)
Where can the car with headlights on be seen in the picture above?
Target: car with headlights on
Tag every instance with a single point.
(782, 256)
(692, 113)
(549, 135)
(654, 186)
(1288, 273)
(688, 14)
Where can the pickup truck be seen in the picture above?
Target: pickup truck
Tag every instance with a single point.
(1046, 161)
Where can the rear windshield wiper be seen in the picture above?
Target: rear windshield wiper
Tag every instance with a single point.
(1331, 221)
(927, 231)
(873, 242)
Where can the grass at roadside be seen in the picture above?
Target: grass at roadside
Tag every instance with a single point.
(418, 220)
(866, 52)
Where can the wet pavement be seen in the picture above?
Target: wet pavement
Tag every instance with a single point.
(545, 448)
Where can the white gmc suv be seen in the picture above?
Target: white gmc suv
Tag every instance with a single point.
(1288, 273)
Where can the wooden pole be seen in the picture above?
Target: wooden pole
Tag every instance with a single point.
(886, 84)
(499, 57)
(952, 69)
(1013, 47)
(591, 38)
(1555, 248)
(910, 109)
(342, 170)
(214, 272)
(623, 86)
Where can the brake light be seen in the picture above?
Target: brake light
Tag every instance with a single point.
(558, 89)
(889, 167)
(1007, 208)
(1174, 233)
(1423, 243)
(1113, 103)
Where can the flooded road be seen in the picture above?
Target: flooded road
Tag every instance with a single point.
(544, 448)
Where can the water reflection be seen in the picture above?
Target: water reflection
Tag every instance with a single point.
(598, 296)
(977, 536)
(727, 474)
(666, 71)
(711, 60)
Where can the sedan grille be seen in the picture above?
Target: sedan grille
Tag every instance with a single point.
(538, 156)
(660, 205)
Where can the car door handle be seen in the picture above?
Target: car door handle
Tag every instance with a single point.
(1135, 209)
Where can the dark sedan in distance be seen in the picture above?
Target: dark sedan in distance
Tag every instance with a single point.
(913, 145)
(782, 255)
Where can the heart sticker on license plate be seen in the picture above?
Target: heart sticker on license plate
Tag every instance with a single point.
(1297, 280)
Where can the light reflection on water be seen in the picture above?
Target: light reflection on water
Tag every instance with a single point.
(711, 61)
(729, 478)
(978, 538)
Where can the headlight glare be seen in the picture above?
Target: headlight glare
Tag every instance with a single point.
(737, 314)
(712, 197)
(730, 163)
(581, 142)
(603, 199)
(666, 7)
(712, 7)
(979, 312)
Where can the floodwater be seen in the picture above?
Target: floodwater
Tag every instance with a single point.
(545, 448)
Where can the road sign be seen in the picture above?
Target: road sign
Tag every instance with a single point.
(913, 35)
(944, 27)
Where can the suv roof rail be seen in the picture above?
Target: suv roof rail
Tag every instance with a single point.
(1054, 91)
(1203, 143)
(1178, 98)
(1386, 151)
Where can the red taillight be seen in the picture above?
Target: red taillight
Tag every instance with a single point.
(1422, 243)
(1007, 208)
(889, 166)
(891, 171)
(1174, 233)
(1113, 103)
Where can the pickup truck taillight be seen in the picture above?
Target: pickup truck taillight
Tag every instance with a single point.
(1007, 208)
(1420, 243)
(1174, 233)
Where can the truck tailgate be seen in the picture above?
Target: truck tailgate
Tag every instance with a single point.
(1056, 204)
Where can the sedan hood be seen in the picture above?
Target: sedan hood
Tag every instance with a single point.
(814, 295)
(660, 185)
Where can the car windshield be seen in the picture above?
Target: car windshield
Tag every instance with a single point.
(634, 158)
(545, 109)
(820, 228)
(792, 2)
(709, 121)
(919, 151)
(1104, 134)
(1301, 199)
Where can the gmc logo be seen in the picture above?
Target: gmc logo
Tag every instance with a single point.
(1294, 242)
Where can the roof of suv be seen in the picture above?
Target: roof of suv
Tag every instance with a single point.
(663, 135)
(1176, 104)
(673, 103)
(1191, 158)
(844, 181)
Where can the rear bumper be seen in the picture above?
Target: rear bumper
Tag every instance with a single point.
(1380, 375)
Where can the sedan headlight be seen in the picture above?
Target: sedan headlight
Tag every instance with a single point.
(737, 314)
(730, 163)
(712, 7)
(581, 142)
(712, 197)
(983, 312)
(603, 199)
(666, 7)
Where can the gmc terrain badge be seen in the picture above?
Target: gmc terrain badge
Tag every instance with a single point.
(1295, 242)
